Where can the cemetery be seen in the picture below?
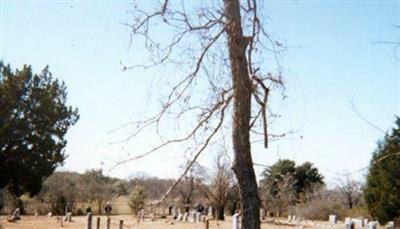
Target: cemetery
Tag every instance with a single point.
(199, 114)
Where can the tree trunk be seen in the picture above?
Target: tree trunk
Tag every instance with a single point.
(243, 163)
(220, 213)
(99, 203)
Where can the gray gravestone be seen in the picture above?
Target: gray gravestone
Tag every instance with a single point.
(16, 214)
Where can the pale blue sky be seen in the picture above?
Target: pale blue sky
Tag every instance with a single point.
(331, 61)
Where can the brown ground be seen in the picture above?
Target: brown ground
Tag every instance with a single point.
(44, 222)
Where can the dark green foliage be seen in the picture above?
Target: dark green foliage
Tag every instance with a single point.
(34, 119)
(301, 179)
(382, 192)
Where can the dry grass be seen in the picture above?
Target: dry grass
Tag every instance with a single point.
(43, 222)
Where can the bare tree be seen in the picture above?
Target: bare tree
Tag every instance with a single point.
(222, 184)
(351, 191)
(188, 189)
(222, 47)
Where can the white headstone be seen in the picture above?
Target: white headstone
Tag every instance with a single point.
(198, 217)
(210, 211)
(192, 217)
(349, 224)
(347, 219)
(185, 216)
(390, 225)
(69, 217)
(180, 217)
(373, 225)
(333, 219)
(236, 221)
(262, 213)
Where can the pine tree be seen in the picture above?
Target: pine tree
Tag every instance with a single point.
(382, 192)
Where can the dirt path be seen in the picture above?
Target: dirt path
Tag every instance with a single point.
(44, 222)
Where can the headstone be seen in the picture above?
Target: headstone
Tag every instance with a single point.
(69, 217)
(16, 214)
(142, 213)
(390, 225)
(333, 219)
(262, 213)
(180, 217)
(349, 225)
(373, 225)
(236, 221)
(185, 216)
(210, 213)
(347, 219)
(89, 221)
(192, 217)
(359, 223)
(50, 214)
(289, 218)
(174, 213)
(366, 222)
(198, 217)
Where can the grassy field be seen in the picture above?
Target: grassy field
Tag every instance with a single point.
(43, 222)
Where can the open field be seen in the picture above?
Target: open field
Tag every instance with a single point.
(43, 222)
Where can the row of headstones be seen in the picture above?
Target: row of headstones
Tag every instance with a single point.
(108, 222)
(352, 223)
(194, 217)
(177, 211)
(291, 218)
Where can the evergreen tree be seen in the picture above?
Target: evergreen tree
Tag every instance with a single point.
(137, 199)
(382, 192)
(34, 119)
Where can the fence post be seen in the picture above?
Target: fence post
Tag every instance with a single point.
(121, 224)
(207, 224)
(98, 223)
(108, 223)
(89, 220)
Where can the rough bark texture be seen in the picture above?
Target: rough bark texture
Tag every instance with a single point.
(243, 164)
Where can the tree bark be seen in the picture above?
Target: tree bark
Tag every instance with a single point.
(221, 213)
(243, 163)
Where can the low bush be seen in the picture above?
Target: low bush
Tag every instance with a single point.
(317, 209)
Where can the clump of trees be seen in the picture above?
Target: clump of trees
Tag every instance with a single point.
(284, 184)
(34, 118)
(383, 181)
